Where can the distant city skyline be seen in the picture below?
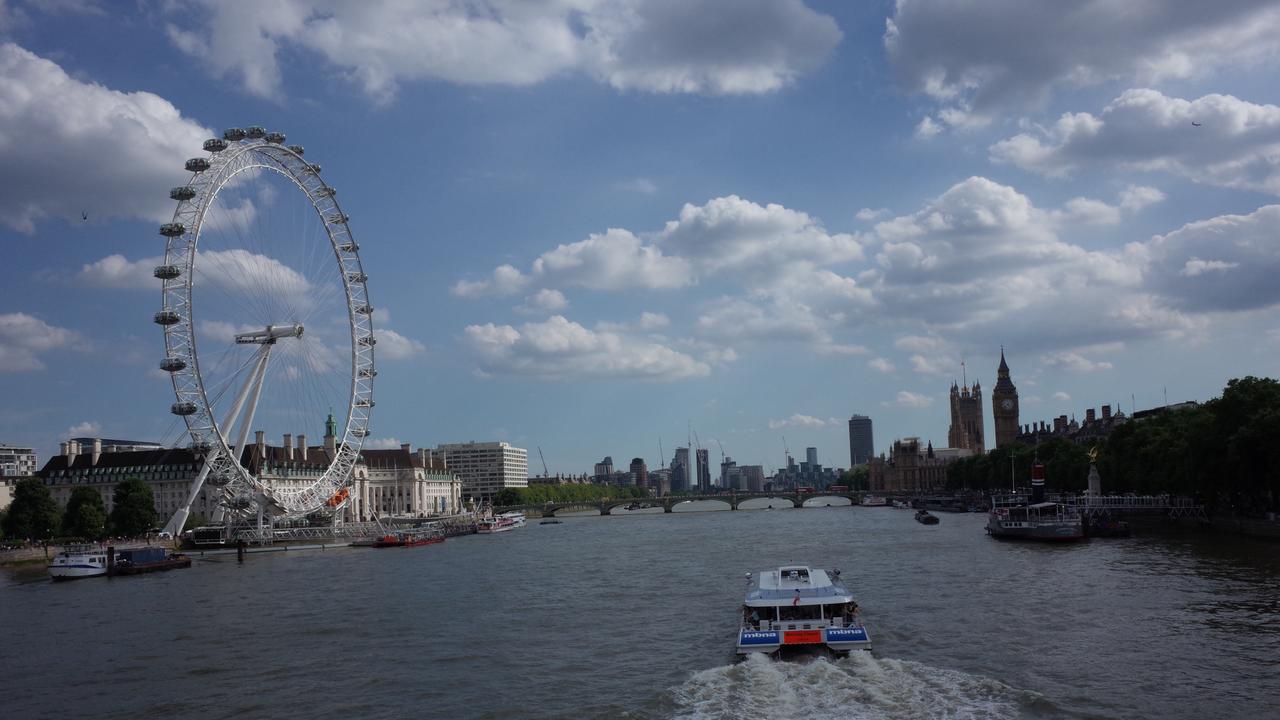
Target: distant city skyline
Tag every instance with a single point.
(612, 222)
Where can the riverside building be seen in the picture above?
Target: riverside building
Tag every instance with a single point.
(861, 444)
(17, 461)
(385, 483)
(486, 468)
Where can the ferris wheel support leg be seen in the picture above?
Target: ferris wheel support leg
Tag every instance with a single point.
(255, 380)
(179, 519)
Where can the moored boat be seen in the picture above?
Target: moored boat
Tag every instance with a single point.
(136, 561)
(408, 539)
(79, 561)
(874, 501)
(797, 607)
(926, 518)
(1016, 518)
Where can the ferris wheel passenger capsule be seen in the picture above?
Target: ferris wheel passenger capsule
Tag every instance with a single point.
(183, 408)
(186, 192)
(338, 218)
(234, 134)
(368, 372)
(363, 402)
(172, 229)
(297, 149)
(197, 164)
(167, 317)
(173, 364)
(274, 138)
(315, 168)
(167, 272)
(368, 340)
(327, 191)
(256, 132)
(215, 145)
(360, 432)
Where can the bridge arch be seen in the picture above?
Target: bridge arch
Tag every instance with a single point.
(825, 500)
(726, 501)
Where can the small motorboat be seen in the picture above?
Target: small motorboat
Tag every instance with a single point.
(925, 517)
(551, 522)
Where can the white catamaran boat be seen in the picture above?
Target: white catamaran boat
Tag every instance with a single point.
(79, 561)
(798, 607)
(500, 523)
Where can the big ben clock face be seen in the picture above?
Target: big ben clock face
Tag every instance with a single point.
(1007, 404)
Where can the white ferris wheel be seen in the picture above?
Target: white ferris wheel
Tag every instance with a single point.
(266, 320)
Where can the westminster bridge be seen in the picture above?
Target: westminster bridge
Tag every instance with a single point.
(668, 503)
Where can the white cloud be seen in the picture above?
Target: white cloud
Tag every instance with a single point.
(381, 444)
(666, 47)
(1137, 197)
(545, 300)
(908, 399)
(564, 350)
(1073, 361)
(24, 337)
(394, 346)
(222, 331)
(88, 428)
(934, 365)
(881, 364)
(804, 421)
(653, 321)
(927, 128)
(117, 271)
(1088, 211)
(1237, 143)
(867, 214)
(1061, 396)
(1229, 262)
(920, 343)
(995, 55)
(138, 142)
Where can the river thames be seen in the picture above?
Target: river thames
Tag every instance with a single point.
(634, 617)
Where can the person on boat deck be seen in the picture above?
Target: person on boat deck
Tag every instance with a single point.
(755, 618)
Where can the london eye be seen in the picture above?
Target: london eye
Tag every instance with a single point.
(267, 324)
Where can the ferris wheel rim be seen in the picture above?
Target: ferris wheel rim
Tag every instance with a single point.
(210, 176)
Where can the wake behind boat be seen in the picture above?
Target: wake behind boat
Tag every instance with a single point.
(796, 607)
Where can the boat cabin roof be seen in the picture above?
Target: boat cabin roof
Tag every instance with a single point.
(789, 582)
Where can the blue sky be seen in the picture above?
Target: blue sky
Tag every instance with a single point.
(589, 224)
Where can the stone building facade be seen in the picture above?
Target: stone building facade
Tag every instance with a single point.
(966, 429)
(909, 468)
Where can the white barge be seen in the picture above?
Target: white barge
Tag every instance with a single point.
(796, 607)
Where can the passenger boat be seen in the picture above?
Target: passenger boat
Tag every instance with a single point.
(79, 561)
(926, 518)
(901, 505)
(874, 501)
(796, 607)
(500, 523)
(1016, 518)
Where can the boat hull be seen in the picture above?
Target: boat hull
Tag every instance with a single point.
(76, 572)
(1044, 531)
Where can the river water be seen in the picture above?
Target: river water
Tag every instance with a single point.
(634, 617)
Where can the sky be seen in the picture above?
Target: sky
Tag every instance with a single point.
(595, 226)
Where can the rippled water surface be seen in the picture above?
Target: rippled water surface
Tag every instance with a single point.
(634, 616)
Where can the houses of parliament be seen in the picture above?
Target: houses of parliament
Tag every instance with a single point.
(966, 429)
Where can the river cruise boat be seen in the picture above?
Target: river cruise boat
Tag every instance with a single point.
(79, 561)
(799, 608)
(500, 523)
(407, 539)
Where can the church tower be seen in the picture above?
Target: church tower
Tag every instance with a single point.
(1004, 405)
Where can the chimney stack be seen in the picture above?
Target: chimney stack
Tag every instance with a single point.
(1089, 415)
(302, 447)
(62, 448)
(1106, 412)
(404, 447)
(97, 450)
(288, 447)
(260, 439)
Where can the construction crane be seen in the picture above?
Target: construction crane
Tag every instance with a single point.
(722, 456)
(545, 472)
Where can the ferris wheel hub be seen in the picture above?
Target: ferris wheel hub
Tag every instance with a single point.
(269, 335)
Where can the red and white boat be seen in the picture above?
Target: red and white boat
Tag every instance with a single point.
(402, 539)
(500, 523)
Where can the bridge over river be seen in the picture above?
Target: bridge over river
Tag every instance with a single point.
(668, 503)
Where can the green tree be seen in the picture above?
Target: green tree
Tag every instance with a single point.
(134, 511)
(33, 514)
(86, 515)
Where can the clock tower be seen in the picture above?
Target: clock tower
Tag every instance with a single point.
(1004, 405)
